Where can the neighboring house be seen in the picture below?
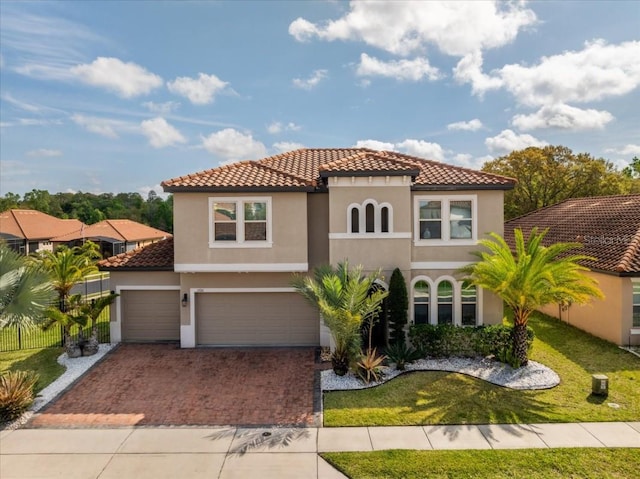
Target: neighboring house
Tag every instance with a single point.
(242, 230)
(28, 231)
(116, 236)
(608, 227)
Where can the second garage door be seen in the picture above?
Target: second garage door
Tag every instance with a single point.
(255, 319)
(150, 315)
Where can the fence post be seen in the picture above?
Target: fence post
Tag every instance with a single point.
(19, 338)
(62, 336)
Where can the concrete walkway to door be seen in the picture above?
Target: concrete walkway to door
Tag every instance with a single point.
(161, 384)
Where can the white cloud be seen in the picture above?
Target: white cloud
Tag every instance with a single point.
(375, 145)
(564, 117)
(200, 91)
(161, 108)
(103, 126)
(157, 189)
(284, 146)
(404, 70)
(310, 83)
(472, 125)
(44, 152)
(126, 79)
(507, 141)
(422, 149)
(469, 70)
(233, 145)
(403, 27)
(625, 150)
(160, 133)
(278, 127)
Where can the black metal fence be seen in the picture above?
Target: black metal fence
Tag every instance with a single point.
(15, 338)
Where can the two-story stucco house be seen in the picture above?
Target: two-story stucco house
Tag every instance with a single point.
(242, 230)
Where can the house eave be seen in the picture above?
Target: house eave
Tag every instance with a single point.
(238, 189)
(460, 187)
(363, 173)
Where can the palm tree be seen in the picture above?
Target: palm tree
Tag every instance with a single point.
(345, 299)
(25, 290)
(531, 277)
(68, 267)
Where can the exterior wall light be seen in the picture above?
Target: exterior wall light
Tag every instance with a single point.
(185, 300)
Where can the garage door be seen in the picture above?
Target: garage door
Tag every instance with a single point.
(255, 319)
(150, 315)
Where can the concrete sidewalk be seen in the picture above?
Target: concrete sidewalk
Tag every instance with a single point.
(165, 452)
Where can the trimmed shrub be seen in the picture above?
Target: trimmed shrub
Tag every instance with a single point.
(444, 340)
(398, 302)
(16, 393)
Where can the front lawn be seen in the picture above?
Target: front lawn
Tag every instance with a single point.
(496, 464)
(42, 361)
(449, 398)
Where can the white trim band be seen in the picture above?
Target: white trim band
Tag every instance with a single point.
(440, 264)
(366, 236)
(241, 267)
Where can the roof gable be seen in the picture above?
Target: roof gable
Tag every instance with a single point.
(154, 257)
(117, 229)
(303, 170)
(608, 227)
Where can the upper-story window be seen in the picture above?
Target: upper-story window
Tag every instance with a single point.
(445, 220)
(636, 305)
(370, 217)
(240, 222)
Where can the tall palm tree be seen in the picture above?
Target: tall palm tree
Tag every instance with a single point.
(25, 290)
(530, 277)
(68, 267)
(345, 299)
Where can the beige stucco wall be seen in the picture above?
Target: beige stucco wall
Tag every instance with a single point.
(490, 219)
(318, 228)
(609, 318)
(191, 231)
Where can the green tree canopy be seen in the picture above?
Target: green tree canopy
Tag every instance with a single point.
(552, 174)
(530, 277)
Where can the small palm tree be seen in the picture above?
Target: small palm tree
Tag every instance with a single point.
(345, 299)
(531, 277)
(68, 267)
(25, 290)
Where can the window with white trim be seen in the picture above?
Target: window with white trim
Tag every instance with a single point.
(370, 218)
(238, 222)
(445, 302)
(443, 219)
(469, 303)
(636, 305)
(421, 302)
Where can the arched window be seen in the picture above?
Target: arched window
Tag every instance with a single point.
(469, 302)
(445, 302)
(355, 220)
(370, 212)
(421, 302)
(384, 219)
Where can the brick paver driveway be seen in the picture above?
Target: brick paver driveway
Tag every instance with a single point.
(164, 385)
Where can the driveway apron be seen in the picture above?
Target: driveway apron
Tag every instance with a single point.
(161, 384)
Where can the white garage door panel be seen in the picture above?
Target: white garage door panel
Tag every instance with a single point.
(150, 315)
(255, 319)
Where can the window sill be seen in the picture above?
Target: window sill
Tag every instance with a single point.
(248, 244)
(440, 242)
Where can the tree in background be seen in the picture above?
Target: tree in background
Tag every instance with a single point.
(552, 174)
(530, 278)
(398, 305)
(633, 173)
(25, 290)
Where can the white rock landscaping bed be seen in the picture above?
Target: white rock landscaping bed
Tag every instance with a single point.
(532, 376)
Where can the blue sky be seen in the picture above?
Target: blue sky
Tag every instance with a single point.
(118, 96)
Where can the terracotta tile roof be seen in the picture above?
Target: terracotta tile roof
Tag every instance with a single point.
(154, 257)
(607, 226)
(302, 170)
(35, 225)
(120, 230)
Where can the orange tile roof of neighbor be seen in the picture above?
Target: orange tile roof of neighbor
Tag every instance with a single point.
(35, 225)
(607, 226)
(304, 170)
(121, 230)
(154, 257)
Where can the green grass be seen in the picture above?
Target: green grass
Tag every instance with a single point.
(494, 464)
(449, 398)
(42, 361)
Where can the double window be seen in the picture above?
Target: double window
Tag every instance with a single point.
(240, 222)
(440, 219)
(452, 302)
